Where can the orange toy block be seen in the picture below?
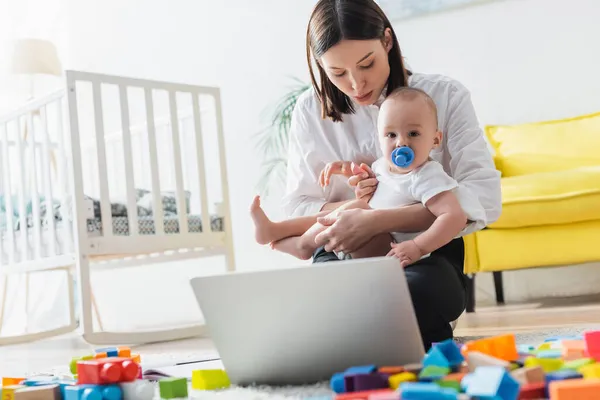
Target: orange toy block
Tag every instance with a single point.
(390, 370)
(503, 347)
(365, 395)
(100, 355)
(574, 389)
(124, 352)
(573, 349)
(9, 381)
(136, 358)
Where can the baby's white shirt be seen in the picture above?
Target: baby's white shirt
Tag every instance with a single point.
(416, 186)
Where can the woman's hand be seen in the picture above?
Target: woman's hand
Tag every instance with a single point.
(335, 168)
(348, 231)
(364, 181)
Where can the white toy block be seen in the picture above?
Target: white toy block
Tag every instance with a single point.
(138, 390)
(476, 359)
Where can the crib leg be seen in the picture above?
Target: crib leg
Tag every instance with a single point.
(85, 295)
(3, 306)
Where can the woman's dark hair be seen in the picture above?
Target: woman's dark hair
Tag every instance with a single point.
(335, 20)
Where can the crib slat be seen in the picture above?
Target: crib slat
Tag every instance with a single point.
(48, 192)
(127, 154)
(2, 213)
(181, 203)
(35, 196)
(21, 189)
(206, 225)
(63, 181)
(105, 206)
(8, 203)
(157, 209)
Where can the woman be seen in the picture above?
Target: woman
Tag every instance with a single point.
(358, 61)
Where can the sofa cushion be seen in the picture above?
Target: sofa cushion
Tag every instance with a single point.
(546, 146)
(550, 198)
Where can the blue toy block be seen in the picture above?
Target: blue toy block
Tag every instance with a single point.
(63, 384)
(426, 391)
(552, 353)
(40, 380)
(106, 350)
(112, 353)
(435, 357)
(557, 338)
(491, 382)
(337, 383)
(93, 392)
(361, 369)
(451, 351)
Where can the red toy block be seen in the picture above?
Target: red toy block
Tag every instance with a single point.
(533, 391)
(592, 344)
(364, 395)
(107, 370)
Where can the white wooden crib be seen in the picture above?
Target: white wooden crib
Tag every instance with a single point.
(91, 178)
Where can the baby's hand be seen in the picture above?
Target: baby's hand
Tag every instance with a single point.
(407, 252)
(335, 168)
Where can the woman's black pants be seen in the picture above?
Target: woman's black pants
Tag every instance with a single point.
(437, 286)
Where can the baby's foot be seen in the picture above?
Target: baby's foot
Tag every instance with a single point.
(263, 225)
(292, 246)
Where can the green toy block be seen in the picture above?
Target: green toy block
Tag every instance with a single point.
(576, 364)
(433, 371)
(173, 388)
(210, 379)
(74, 360)
(449, 384)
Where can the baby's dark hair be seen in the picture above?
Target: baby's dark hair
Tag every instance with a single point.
(410, 93)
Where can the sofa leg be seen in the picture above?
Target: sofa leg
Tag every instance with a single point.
(470, 293)
(498, 285)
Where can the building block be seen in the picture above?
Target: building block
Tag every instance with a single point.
(592, 344)
(435, 357)
(533, 391)
(492, 382)
(426, 391)
(365, 382)
(100, 355)
(42, 392)
(83, 392)
(396, 380)
(210, 379)
(503, 347)
(578, 363)
(106, 371)
(591, 371)
(8, 391)
(137, 390)
(414, 368)
(574, 389)
(477, 359)
(172, 388)
(529, 375)
(391, 395)
(136, 358)
(336, 383)
(75, 360)
(547, 364)
(391, 370)
(550, 353)
(366, 395)
(433, 372)
(449, 384)
(456, 376)
(451, 351)
(63, 383)
(573, 349)
(40, 380)
(124, 352)
(361, 369)
(545, 346)
(11, 381)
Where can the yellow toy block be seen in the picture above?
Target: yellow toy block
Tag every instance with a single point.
(545, 346)
(8, 392)
(591, 371)
(398, 379)
(136, 358)
(547, 364)
(210, 379)
(10, 381)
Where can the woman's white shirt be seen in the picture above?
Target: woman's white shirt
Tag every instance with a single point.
(464, 154)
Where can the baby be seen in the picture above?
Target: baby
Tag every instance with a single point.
(407, 119)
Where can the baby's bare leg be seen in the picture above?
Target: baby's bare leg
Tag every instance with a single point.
(267, 231)
(304, 246)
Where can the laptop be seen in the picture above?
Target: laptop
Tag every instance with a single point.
(301, 325)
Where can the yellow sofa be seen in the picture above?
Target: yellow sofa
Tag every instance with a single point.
(550, 198)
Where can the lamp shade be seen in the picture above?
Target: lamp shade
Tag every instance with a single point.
(35, 56)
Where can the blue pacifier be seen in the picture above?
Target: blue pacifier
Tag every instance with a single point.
(403, 156)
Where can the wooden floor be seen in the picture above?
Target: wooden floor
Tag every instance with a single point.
(531, 316)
